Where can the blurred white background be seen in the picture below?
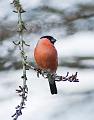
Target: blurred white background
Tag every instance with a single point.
(71, 22)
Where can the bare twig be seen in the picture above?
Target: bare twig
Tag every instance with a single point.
(23, 90)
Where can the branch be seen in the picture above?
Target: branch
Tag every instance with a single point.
(58, 78)
(23, 90)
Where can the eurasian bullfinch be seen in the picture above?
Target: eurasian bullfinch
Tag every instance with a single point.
(46, 58)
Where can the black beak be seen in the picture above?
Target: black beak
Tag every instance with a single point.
(53, 40)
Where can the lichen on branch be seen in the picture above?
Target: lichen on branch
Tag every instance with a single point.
(23, 90)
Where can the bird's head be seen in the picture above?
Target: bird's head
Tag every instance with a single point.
(52, 40)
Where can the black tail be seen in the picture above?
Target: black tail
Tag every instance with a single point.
(53, 88)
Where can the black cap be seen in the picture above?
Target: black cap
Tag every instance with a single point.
(52, 40)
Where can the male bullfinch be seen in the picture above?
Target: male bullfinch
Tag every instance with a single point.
(46, 58)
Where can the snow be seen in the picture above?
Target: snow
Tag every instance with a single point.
(30, 4)
(79, 44)
(3, 5)
(71, 102)
(84, 24)
(68, 4)
(88, 63)
(7, 8)
(5, 46)
(74, 100)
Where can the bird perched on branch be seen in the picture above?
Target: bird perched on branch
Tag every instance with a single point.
(46, 58)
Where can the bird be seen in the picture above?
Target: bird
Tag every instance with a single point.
(46, 58)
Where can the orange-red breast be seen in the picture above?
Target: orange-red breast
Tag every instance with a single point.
(46, 58)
